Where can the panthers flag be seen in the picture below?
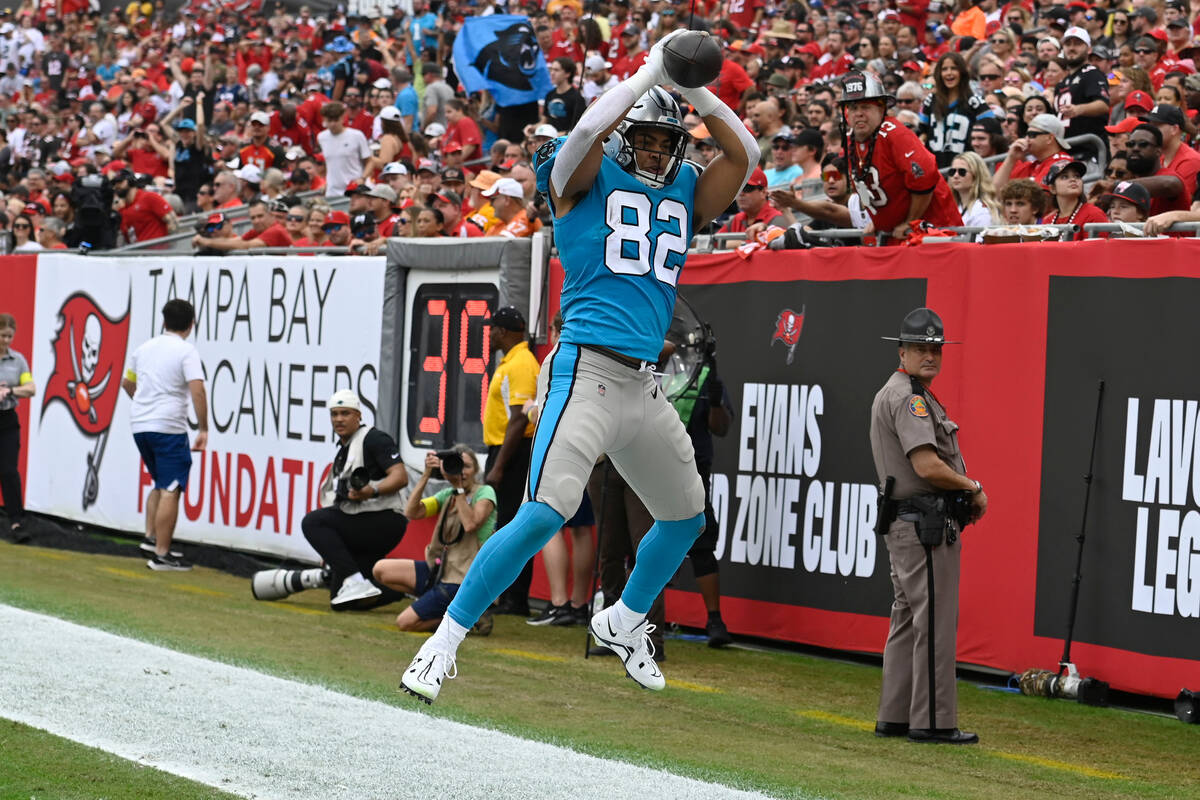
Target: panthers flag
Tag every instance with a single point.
(500, 53)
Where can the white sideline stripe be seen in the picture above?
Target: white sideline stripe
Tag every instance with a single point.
(264, 737)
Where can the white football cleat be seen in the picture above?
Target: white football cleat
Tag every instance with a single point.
(424, 676)
(634, 647)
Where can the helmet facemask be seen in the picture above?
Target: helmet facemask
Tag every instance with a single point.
(657, 111)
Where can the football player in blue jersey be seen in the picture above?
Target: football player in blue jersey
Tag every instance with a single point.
(625, 206)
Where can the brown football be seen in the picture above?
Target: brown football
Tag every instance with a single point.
(692, 59)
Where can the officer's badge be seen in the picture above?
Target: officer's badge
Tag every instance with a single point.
(917, 407)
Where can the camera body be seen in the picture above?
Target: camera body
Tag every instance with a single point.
(357, 480)
(452, 464)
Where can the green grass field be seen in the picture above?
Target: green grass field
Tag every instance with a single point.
(781, 723)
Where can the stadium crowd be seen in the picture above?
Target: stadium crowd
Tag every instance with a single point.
(115, 127)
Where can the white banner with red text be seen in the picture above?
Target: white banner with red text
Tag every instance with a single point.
(277, 336)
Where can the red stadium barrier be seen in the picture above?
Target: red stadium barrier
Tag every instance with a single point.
(1039, 326)
(20, 284)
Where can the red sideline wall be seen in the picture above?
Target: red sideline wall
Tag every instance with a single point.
(20, 284)
(1016, 569)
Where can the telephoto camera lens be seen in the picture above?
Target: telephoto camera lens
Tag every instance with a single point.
(275, 584)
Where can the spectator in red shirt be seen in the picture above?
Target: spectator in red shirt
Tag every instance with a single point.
(449, 203)
(145, 151)
(1144, 147)
(634, 56)
(461, 129)
(1045, 140)
(288, 129)
(356, 116)
(264, 232)
(753, 206)
(380, 200)
(1178, 157)
(732, 84)
(144, 215)
(746, 15)
(1065, 182)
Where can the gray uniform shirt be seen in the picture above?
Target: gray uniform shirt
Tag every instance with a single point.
(12, 366)
(901, 422)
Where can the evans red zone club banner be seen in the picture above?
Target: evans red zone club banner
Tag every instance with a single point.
(1039, 327)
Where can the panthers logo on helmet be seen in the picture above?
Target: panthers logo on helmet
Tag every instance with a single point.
(542, 159)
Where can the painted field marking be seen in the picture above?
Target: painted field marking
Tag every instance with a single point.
(1049, 763)
(53, 555)
(183, 587)
(531, 656)
(688, 686)
(282, 759)
(124, 573)
(316, 612)
(836, 719)
(1078, 769)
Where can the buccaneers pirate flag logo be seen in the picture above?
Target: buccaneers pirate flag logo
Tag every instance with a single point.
(787, 330)
(89, 352)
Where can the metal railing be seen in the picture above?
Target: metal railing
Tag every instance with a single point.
(181, 240)
(1093, 228)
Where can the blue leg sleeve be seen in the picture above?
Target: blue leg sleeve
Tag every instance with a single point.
(501, 558)
(658, 556)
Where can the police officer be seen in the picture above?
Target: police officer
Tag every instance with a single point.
(915, 444)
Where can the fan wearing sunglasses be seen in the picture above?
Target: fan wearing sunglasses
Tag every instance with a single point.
(971, 182)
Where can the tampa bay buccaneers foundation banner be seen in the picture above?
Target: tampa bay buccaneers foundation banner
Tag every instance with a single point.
(794, 488)
(276, 337)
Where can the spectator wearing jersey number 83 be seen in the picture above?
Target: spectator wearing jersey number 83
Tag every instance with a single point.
(893, 173)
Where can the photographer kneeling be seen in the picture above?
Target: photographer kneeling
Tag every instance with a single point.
(360, 519)
(466, 518)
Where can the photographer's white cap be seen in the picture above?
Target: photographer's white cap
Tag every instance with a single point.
(345, 398)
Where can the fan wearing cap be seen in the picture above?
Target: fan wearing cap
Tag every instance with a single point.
(1082, 97)
(893, 173)
(360, 519)
(597, 78)
(1127, 202)
(264, 232)
(393, 144)
(482, 213)
(509, 204)
(914, 444)
(380, 204)
(1178, 157)
(261, 151)
(753, 206)
(1065, 182)
(1031, 156)
(144, 215)
(190, 156)
(336, 226)
(625, 204)
(635, 54)
(450, 205)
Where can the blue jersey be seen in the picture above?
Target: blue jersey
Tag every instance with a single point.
(622, 247)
